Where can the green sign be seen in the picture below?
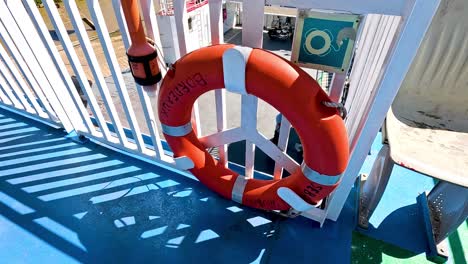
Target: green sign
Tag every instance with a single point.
(324, 41)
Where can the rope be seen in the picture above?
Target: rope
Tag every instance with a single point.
(338, 106)
(345, 93)
(162, 62)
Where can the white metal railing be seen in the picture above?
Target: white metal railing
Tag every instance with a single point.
(8, 68)
(145, 100)
(35, 81)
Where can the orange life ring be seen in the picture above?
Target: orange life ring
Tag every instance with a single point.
(283, 85)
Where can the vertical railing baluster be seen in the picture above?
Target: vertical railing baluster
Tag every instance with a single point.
(217, 37)
(10, 93)
(88, 51)
(11, 79)
(283, 138)
(144, 98)
(35, 62)
(15, 35)
(17, 92)
(180, 18)
(55, 94)
(7, 80)
(216, 21)
(43, 32)
(103, 33)
(252, 36)
(76, 65)
(249, 106)
(25, 70)
(4, 99)
(221, 122)
(121, 22)
(196, 118)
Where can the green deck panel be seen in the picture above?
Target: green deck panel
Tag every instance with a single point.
(368, 250)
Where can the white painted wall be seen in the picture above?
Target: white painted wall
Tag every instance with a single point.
(198, 36)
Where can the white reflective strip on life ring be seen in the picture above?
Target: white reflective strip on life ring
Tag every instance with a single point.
(177, 131)
(238, 189)
(184, 163)
(234, 63)
(316, 177)
(294, 200)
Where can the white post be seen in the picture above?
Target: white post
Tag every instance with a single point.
(249, 125)
(252, 23)
(179, 16)
(416, 21)
(221, 122)
(252, 36)
(216, 21)
(180, 20)
(283, 138)
(217, 37)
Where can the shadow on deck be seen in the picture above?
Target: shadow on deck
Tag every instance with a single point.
(81, 202)
(91, 203)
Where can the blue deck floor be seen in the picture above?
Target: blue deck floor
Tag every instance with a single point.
(65, 202)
